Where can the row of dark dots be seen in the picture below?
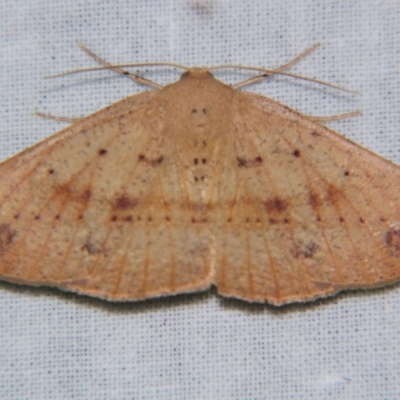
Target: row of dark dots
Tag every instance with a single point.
(129, 218)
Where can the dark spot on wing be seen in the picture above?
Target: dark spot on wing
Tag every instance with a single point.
(392, 240)
(241, 162)
(91, 248)
(51, 171)
(274, 221)
(195, 110)
(314, 200)
(85, 196)
(304, 250)
(346, 173)
(124, 202)
(246, 163)
(200, 219)
(153, 162)
(332, 194)
(102, 152)
(276, 205)
(64, 190)
(157, 161)
(296, 153)
(200, 178)
(7, 236)
(74, 195)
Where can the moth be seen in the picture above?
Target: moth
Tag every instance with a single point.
(197, 184)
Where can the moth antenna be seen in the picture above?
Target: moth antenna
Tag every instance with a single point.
(259, 78)
(268, 72)
(144, 81)
(149, 64)
(298, 58)
(280, 71)
(134, 77)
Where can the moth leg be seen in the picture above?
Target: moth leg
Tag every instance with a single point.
(60, 119)
(335, 117)
(259, 78)
(136, 78)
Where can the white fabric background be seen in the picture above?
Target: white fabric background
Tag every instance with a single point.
(61, 346)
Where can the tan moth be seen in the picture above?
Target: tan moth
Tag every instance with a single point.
(198, 184)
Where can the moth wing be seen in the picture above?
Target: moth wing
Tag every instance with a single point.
(310, 212)
(94, 210)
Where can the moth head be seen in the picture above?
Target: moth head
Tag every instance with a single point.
(196, 73)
